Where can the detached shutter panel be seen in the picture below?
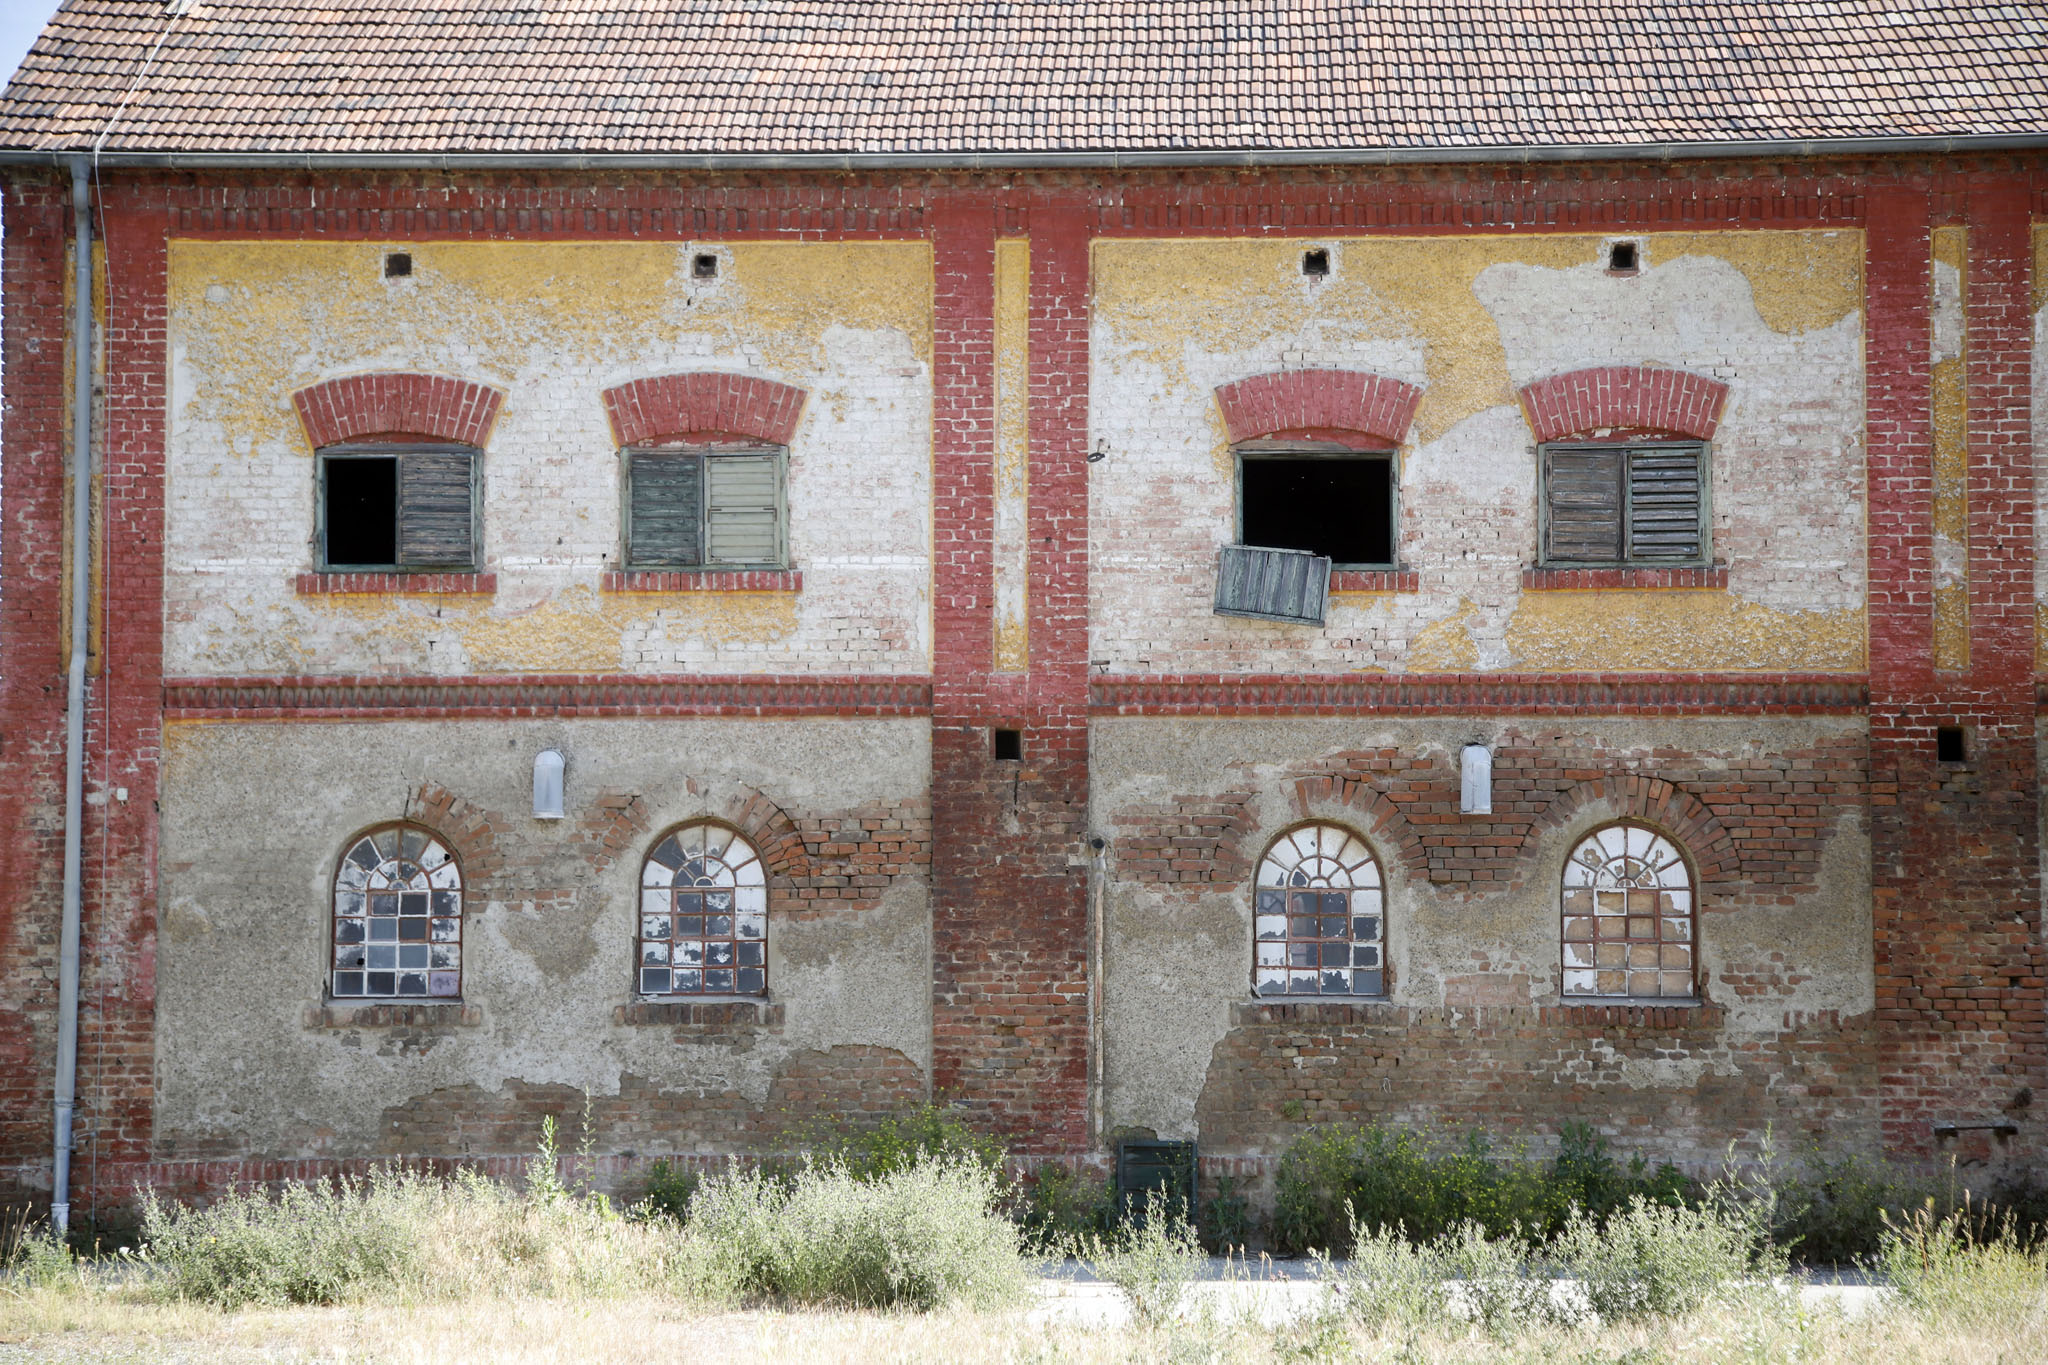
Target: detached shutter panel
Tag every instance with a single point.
(741, 523)
(1664, 504)
(1272, 584)
(667, 511)
(436, 511)
(1584, 492)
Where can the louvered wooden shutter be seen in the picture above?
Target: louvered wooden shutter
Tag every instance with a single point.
(436, 510)
(1664, 504)
(666, 518)
(742, 499)
(1583, 488)
(1272, 584)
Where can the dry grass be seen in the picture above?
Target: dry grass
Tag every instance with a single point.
(107, 1326)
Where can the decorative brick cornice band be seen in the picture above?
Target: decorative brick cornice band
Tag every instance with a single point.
(1633, 397)
(1317, 401)
(397, 404)
(1579, 580)
(513, 698)
(1604, 1016)
(1657, 694)
(664, 407)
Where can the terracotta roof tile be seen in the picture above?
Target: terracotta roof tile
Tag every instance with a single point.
(962, 76)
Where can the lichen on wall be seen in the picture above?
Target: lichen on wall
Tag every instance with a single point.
(1775, 315)
(551, 325)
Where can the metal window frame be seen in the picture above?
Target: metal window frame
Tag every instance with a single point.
(327, 994)
(703, 451)
(1698, 995)
(1319, 450)
(1705, 452)
(761, 996)
(398, 451)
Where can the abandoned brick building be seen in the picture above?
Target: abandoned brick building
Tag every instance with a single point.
(1191, 568)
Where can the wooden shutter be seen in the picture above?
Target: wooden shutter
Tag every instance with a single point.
(1664, 503)
(436, 510)
(1272, 584)
(1584, 505)
(666, 517)
(742, 521)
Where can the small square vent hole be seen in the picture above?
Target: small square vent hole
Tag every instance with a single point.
(1951, 745)
(705, 267)
(1315, 264)
(1623, 258)
(1009, 745)
(397, 264)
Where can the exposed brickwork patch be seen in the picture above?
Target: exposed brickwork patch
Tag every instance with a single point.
(1375, 580)
(669, 406)
(1304, 402)
(359, 406)
(1627, 396)
(1664, 694)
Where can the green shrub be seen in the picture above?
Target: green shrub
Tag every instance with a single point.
(1057, 1208)
(1432, 1183)
(1151, 1260)
(1650, 1260)
(924, 1234)
(870, 1150)
(667, 1191)
(1832, 1209)
(1226, 1218)
(1502, 1288)
(32, 1256)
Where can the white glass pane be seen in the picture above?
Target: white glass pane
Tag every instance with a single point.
(654, 874)
(445, 877)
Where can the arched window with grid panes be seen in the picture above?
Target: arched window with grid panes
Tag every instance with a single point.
(1630, 927)
(397, 918)
(703, 915)
(1319, 923)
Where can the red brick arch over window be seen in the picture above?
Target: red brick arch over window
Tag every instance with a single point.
(1330, 404)
(397, 404)
(664, 406)
(1635, 397)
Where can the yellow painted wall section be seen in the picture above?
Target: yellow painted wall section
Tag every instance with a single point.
(1013, 467)
(1949, 322)
(551, 325)
(1776, 314)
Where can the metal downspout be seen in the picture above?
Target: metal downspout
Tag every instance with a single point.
(77, 622)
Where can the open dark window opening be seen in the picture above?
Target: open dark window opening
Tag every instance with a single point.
(1950, 744)
(1009, 745)
(362, 512)
(1341, 507)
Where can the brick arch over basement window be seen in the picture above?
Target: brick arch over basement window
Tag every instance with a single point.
(1635, 397)
(397, 404)
(1329, 404)
(1670, 808)
(666, 406)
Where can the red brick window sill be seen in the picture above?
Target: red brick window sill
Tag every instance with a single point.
(440, 1014)
(415, 584)
(1375, 580)
(712, 580)
(1554, 580)
(702, 1013)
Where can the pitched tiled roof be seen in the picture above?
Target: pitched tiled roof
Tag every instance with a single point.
(756, 77)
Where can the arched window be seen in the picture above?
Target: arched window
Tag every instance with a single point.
(703, 915)
(1319, 925)
(1628, 916)
(398, 917)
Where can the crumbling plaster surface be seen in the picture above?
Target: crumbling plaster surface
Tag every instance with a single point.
(1775, 315)
(247, 875)
(1177, 955)
(552, 326)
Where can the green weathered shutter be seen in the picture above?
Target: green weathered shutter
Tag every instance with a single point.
(1272, 584)
(1582, 489)
(667, 512)
(742, 521)
(436, 510)
(1664, 504)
